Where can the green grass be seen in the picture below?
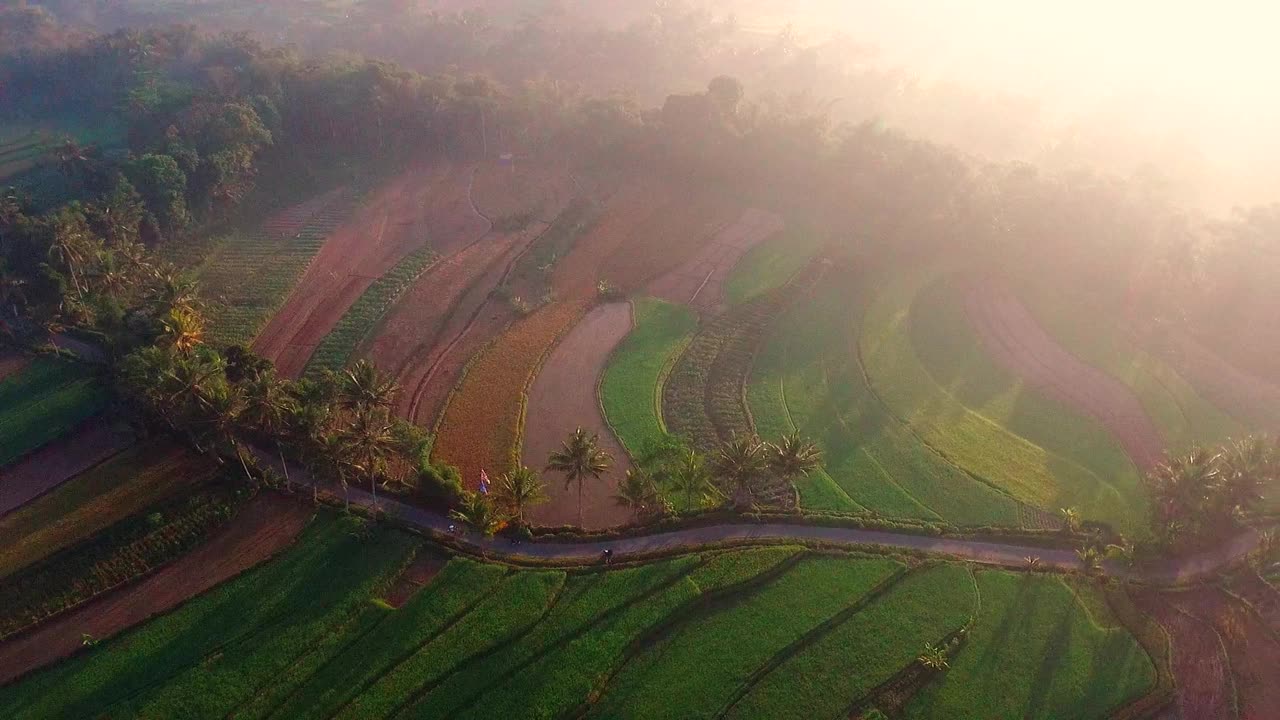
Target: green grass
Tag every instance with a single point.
(76, 510)
(630, 388)
(771, 263)
(351, 574)
(363, 317)
(1036, 653)
(590, 602)
(45, 401)
(328, 562)
(988, 450)
(947, 347)
(694, 671)
(1182, 416)
(516, 604)
(396, 635)
(827, 676)
(808, 378)
(564, 678)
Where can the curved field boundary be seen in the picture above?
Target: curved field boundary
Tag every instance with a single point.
(47, 400)
(1016, 341)
(630, 388)
(1086, 329)
(247, 276)
(258, 532)
(562, 398)
(699, 282)
(983, 448)
(58, 462)
(1246, 397)
(403, 216)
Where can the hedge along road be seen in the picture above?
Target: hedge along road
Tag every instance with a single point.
(692, 539)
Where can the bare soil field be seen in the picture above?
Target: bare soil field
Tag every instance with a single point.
(562, 398)
(263, 528)
(1247, 397)
(291, 220)
(481, 425)
(699, 282)
(670, 240)
(1200, 665)
(1252, 648)
(502, 192)
(421, 206)
(1018, 343)
(420, 572)
(57, 462)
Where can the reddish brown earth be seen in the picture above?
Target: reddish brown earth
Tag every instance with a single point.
(699, 282)
(267, 525)
(1200, 666)
(57, 462)
(12, 363)
(562, 398)
(1015, 340)
(421, 571)
(1247, 397)
(670, 240)
(427, 339)
(421, 206)
(1252, 647)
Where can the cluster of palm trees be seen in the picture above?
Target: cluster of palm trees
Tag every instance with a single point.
(1206, 491)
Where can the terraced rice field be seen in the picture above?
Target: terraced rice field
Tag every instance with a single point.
(764, 633)
(808, 378)
(769, 264)
(247, 276)
(630, 390)
(44, 401)
(56, 462)
(1028, 472)
(1181, 415)
(21, 150)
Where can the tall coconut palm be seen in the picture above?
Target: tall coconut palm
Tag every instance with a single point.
(740, 463)
(362, 389)
(580, 457)
(1247, 466)
(691, 478)
(333, 455)
(268, 408)
(638, 493)
(519, 489)
(478, 511)
(793, 456)
(1183, 483)
(370, 441)
(183, 328)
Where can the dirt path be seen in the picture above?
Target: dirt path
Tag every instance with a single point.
(57, 462)
(699, 282)
(421, 206)
(1200, 666)
(415, 577)
(1017, 342)
(263, 528)
(562, 398)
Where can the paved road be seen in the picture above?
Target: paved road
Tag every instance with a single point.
(990, 553)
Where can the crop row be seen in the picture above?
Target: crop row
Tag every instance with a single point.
(43, 402)
(362, 318)
(122, 553)
(100, 497)
(249, 275)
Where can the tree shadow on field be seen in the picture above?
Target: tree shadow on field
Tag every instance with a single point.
(1054, 650)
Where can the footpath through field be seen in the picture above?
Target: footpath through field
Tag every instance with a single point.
(692, 539)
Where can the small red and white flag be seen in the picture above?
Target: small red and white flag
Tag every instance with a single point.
(484, 482)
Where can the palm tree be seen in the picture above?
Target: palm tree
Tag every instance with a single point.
(362, 389)
(1183, 483)
(1090, 558)
(691, 478)
(1246, 467)
(637, 492)
(934, 657)
(370, 442)
(579, 457)
(519, 489)
(740, 463)
(1032, 562)
(222, 408)
(1070, 519)
(478, 511)
(268, 408)
(183, 328)
(793, 456)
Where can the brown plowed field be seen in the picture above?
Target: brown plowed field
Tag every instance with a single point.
(57, 462)
(670, 240)
(480, 427)
(1017, 342)
(267, 525)
(415, 577)
(291, 220)
(699, 282)
(501, 191)
(1200, 666)
(1252, 647)
(449, 314)
(563, 397)
(424, 205)
(12, 363)
(1248, 398)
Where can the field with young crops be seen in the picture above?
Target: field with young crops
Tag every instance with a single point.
(758, 633)
(45, 401)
